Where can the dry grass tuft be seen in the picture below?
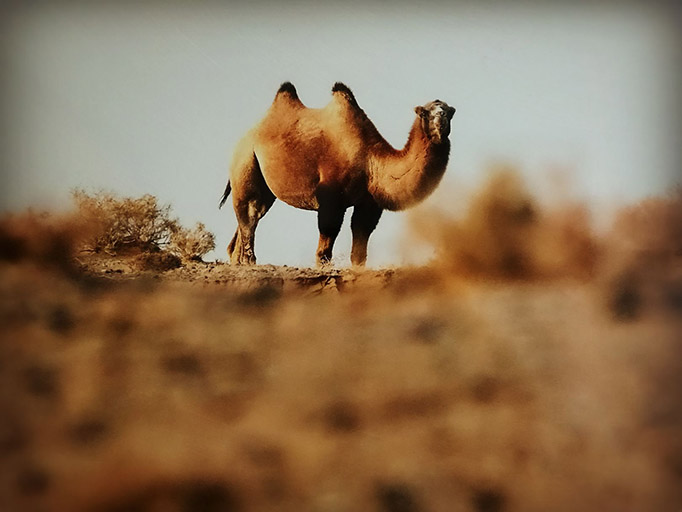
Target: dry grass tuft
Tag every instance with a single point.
(158, 261)
(41, 238)
(505, 234)
(644, 261)
(649, 234)
(106, 224)
(140, 224)
(191, 244)
(124, 223)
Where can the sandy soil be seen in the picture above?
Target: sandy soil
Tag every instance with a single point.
(215, 388)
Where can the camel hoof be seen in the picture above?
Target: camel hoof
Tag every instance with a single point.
(324, 262)
(358, 261)
(247, 262)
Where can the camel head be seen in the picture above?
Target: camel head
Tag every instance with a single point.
(436, 116)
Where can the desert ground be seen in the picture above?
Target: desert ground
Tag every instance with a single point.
(461, 385)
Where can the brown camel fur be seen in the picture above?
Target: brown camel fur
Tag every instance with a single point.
(328, 160)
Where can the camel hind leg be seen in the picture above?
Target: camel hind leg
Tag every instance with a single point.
(251, 199)
(249, 214)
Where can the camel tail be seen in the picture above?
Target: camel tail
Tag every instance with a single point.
(228, 188)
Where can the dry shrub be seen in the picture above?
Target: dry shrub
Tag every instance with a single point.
(644, 262)
(103, 223)
(124, 224)
(505, 234)
(191, 244)
(41, 238)
(158, 261)
(565, 244)
(648, 235)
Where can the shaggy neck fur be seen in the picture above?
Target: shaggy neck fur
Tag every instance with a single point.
(400, 179)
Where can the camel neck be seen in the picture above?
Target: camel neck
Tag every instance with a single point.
(402, 178)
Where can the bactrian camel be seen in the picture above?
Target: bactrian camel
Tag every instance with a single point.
(328, 160)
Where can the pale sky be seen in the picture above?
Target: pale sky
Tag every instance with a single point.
(153, 99)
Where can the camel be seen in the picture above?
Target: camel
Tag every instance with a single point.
(328, 160)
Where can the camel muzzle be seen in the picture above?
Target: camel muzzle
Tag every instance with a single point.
(442, 129)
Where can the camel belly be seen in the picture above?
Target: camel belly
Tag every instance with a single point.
(293, 183)
(294, 167)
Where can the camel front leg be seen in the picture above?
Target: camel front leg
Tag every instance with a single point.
(365, 218)
(330, 214)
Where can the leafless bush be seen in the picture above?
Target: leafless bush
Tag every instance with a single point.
(191, 244)
(103, 223)
(124, 223)
(40, 237)
(649, 233)
(121, 224)
(158, 261)
(506, 234)
(643, 267)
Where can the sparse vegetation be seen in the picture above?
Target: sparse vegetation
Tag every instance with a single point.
(191, 244)
(481, 382)
(643, 266)
(506, 234)
(46, 239)
(649, 233)
(123, 224)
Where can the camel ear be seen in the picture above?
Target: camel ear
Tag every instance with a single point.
(451, 112)
(421, 111)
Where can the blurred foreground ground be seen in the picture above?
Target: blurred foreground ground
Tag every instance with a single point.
(532, 366)
(210, 388)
